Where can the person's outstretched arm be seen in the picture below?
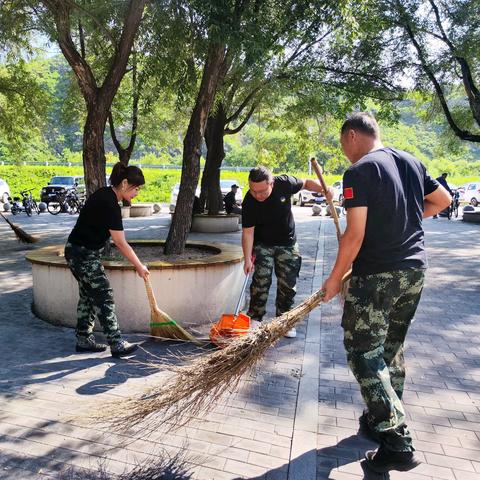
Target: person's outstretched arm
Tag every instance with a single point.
(350, 244)
(315, 186)
(436, 201)
(118, 237)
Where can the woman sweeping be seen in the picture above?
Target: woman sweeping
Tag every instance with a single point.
(99, 220)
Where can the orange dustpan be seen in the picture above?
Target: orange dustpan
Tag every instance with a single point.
(231, 325)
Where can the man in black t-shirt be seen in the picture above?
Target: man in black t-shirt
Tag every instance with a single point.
(387, 193)
(230, 201)
(269, 235)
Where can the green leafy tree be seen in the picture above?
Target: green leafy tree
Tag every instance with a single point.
(25, 95)
(444, 36)
(69, 24)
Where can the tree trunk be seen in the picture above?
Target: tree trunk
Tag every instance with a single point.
(93, 150)
(98, 99)
(214, 134)
(182, 218)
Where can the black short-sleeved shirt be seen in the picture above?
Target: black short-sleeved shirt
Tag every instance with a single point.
(273, 218)
(100, 214)
(392, 184)
(229, 201)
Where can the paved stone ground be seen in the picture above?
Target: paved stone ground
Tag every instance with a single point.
(295, 417)
(442, 396)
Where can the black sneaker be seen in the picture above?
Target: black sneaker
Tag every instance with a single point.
(383, 460)
(121, 348)
(89, 344)
(365, 429)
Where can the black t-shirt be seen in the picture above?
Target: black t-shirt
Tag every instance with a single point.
(100, 214)
(273, 218)
(229, 201)
(392, 184)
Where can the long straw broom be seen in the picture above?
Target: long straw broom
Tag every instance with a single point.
(204, 379)
(161, 324)
(22, 235)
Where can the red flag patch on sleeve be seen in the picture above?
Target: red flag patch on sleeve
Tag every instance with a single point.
(348, 193)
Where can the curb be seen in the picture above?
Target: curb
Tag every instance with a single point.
(303, 453)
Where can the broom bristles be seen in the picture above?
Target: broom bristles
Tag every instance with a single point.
(169, 332)
(205, 378)
(163, 326)
(22, 235)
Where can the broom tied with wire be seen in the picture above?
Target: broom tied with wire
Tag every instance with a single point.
(161, 324)
(22, 235)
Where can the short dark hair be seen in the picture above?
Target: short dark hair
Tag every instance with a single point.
(363, 122)
(131, 173)
(259, 174)
(444, 174)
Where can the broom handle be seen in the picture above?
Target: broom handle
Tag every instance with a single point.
(150, 295)
(318, 171)
(242, 293)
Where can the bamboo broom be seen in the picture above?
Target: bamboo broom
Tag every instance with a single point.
(204, 379)
(22, 235)
(161, 324)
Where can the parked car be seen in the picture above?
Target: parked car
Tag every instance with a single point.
(61, 185)
(225, 187)
(338, 191)
(472, 193)
(304, 197)
(174, 196)
(4, 191)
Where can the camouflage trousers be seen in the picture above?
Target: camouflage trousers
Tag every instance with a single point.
(286, 261)
(377, 314)
(96, 296)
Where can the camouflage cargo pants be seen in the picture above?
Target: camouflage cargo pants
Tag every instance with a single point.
(286, 261)
(377, 314)
(96, 296)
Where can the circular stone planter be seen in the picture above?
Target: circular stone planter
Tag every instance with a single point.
(141, 210)
(471, 217)
(221, 223)
(125, 212)
(193, 292)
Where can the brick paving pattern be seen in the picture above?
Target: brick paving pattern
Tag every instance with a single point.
(294, 417)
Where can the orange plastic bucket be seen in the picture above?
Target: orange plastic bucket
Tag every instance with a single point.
(229, 327)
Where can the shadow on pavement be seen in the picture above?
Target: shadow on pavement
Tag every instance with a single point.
(344, 453)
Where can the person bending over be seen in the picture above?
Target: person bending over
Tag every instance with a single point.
(100, 219)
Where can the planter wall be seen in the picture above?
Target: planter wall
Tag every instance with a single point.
(215, 223)
(141, 210)
(471, 217)
(195, 293)
(125, 212)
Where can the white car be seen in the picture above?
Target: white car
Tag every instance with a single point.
(472, 193)
(306, 196)
(4, 191)
(174, 196)
(338, 191)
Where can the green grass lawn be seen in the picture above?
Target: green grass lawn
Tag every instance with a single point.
(159, 183)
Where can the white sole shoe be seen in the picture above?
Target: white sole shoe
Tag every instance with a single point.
(255, 324)
(292, 333)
